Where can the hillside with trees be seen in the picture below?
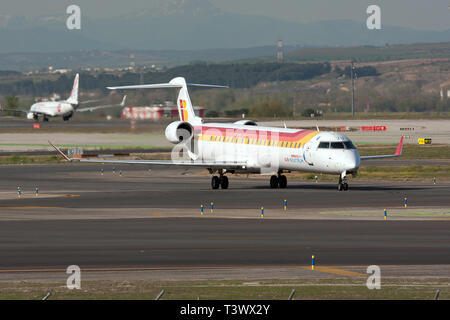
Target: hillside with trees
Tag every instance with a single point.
(233, 75)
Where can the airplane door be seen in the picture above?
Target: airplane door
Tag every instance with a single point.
(307, 156)
(193, 147)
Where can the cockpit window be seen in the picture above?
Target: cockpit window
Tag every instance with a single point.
(349, 145)
(324, 145)
(337, 145)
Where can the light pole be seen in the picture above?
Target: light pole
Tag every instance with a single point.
(352, 71)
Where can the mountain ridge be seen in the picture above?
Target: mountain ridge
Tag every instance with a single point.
(192, 25)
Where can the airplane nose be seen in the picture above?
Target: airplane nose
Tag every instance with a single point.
(352, 162)
(355, 160)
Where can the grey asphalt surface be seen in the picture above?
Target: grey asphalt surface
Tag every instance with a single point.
(190, 242)
(179, 188)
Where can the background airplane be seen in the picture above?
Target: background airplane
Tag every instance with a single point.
(245, 147)
(64, 109)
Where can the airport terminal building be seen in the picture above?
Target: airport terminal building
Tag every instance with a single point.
(156, 112)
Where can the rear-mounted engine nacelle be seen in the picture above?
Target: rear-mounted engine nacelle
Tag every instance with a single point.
(179, 131)
(246, 122)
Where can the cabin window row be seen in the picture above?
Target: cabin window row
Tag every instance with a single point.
(261, 142)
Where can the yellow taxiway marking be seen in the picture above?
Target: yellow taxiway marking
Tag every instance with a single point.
(441, 219)
(154, 215)
(340, 272)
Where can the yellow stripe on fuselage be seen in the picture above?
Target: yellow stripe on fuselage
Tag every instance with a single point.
(308, 137)
(262, 142)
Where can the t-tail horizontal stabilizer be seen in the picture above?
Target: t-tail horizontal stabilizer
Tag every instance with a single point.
(185, 109)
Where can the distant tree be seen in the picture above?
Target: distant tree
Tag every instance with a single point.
(270, 108)
(367, 71)
(212, 114)
(307, 112)
(236, 112)
(235, 75)
(9, 73)
(338, 71)
(12, 102)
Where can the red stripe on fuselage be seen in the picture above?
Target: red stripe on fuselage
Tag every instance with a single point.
(181, 110)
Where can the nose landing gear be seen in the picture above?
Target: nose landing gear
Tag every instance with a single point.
(342, 185)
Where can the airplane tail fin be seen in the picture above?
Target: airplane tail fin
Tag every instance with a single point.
(185, 109)
(122, 104)
(73, 99)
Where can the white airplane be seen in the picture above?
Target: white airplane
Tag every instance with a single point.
(245, 147)
(64, 109)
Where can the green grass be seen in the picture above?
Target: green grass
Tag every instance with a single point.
(393, 173)
(349, 288)
(393, 212)
(20, 160)
(399, 172)
(405, 172)
(85, 146)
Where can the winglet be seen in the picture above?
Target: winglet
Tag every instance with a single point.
(60, 152)
(122, 104)
(398, 152)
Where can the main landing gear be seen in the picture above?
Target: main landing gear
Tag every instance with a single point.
(67, 117)
(278, 181)
(342, 185)
(221, 181)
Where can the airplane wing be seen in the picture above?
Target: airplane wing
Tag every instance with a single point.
(199, 164)
(165, 85)
(122, 104)
(88, 101)
(398, 153)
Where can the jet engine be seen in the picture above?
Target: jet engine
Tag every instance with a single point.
(246, 122)
(179, 131)
(30, 116)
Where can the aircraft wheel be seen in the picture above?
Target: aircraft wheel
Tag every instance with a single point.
(345, 186)
(283, 181)
(274, 182)
(35, 117)
(340, 186)
(224, 182)
(215, 182)
(45, 119)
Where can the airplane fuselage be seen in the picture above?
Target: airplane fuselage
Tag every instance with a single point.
(269, 150)
(51, 109)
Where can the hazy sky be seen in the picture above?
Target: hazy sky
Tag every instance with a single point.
(418, 14)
